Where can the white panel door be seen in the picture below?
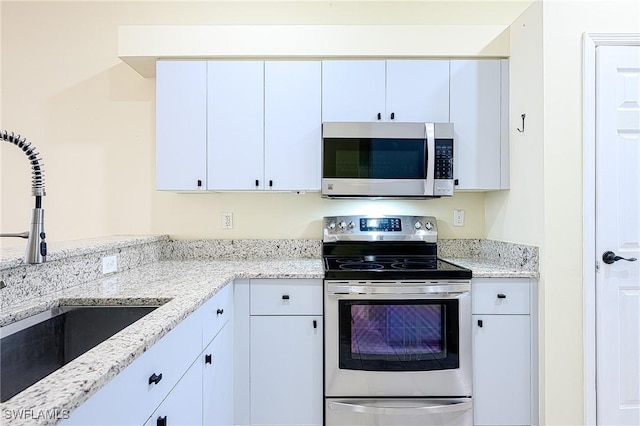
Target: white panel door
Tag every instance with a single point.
(475, 114)
(286, 370)
(618, 231)
(235, 111)
(293, 124)
(181, 125)
(183, 405)
(502, 369)
(217, 386)
(417, 91)
(353, 90)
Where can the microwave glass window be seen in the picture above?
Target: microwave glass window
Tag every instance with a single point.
(393, 335)
(374, 158)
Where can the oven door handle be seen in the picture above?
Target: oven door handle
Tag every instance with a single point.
(438, 291)
(365, 407)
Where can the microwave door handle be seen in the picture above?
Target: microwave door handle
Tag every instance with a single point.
(429, 131)
(363, 407)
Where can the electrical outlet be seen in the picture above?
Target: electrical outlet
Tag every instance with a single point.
(458, 218)
(227, 220)
(109, 264)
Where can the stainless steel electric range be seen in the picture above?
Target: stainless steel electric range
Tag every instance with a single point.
(397, 325)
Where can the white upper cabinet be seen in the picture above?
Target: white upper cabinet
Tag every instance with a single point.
(292, 128)
(417, 91)
(235, 111)
(393, 90)
(181, 125)
(353, 90)
(478, 114)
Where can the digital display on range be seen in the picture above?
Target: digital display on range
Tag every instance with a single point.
(385, 224)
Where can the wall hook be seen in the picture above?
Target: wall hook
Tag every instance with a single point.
(523, 116)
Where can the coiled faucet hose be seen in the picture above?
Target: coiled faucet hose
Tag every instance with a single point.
(37, 173)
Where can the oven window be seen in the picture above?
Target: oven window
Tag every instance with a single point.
(374, 158)
(398, 335)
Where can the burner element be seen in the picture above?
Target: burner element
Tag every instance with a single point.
(361, 266)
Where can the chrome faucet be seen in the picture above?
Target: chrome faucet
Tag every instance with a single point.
(36, 251)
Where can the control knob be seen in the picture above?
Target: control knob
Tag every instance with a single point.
(429, 226)
(351, 225)
(342, 225)
(331, 225)
(418, 225)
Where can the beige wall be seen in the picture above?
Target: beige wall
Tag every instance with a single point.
(92, 119)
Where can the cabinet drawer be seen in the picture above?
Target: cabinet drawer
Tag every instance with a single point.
(500, 296)
(286, 297)
(216, 312)
(131, 392)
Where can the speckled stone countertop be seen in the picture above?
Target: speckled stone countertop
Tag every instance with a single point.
(180, 286)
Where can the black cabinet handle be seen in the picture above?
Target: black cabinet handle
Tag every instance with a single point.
(393, 115)
(315, 324)
(219, 311)
(480, 323)
(207, 359)
(162, 421)
(379, 116)
(455, 182)
(257, 182)
(199, 183)
(270, 183)
(502, 296)
(155, 378)
(285, 297)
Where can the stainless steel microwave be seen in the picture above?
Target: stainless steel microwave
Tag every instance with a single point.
(387, 160)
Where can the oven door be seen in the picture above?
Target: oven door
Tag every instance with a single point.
(398, 339)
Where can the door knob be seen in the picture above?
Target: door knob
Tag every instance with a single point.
(609, 257)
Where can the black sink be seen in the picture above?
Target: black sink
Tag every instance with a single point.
(32, 351)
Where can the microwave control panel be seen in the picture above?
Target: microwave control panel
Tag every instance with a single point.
(444, 159)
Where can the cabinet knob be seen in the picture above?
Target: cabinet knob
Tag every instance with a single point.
(257, 183)
(480, 323)
(393, 115)
(285, 297)
(379, 116)
(315, 324)
(270, 183)
(199, 183)
(502, 296)
(220, 312)
(455, 182)
(207, 359)
(162, 421)
(155, 378)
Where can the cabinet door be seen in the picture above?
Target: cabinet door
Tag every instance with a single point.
(292, 128)
(502, 369)
(353, 90)
(235, 117)
(418, 91)
(181, 125)
(217, 387)
(475, 114)
(286, 370)
(183, 405)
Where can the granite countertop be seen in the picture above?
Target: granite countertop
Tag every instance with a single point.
(179, 286)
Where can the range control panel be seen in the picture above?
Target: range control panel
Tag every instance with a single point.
(380, 228)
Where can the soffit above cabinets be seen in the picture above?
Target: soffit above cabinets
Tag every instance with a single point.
(140, 46)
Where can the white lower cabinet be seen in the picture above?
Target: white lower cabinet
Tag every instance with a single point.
(285, 352)
(503, 352)
(172, 383)
(286, 370)
(183, 405)
(217, 379)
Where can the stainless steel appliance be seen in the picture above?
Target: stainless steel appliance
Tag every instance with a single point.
(387, 159)
(397, 325)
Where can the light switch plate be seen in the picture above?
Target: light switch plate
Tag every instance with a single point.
(227, 220)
